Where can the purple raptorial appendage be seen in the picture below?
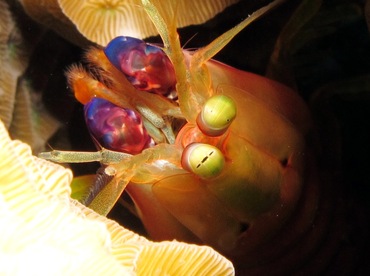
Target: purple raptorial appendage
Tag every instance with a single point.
(116, 128)
(146, 66)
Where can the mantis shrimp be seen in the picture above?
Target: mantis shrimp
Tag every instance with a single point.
(208, 153)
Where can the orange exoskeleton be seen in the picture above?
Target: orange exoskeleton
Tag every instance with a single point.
(208, 153)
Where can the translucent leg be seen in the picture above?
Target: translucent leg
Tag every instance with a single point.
(103, 156)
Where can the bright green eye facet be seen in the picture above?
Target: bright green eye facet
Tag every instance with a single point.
(204, 160)
(216, 116)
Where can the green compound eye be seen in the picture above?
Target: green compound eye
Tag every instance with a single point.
(204, 160)
(216, 116)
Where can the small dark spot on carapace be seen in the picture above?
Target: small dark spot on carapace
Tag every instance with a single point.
(243, 227)
(284, 162)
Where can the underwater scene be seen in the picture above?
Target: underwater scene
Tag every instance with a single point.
(154, 137)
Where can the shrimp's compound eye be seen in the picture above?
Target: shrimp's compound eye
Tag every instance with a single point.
(146, 66)
(216, 115)
(203, 160)
(116, 128)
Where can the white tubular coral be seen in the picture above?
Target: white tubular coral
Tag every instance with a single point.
(45, 232)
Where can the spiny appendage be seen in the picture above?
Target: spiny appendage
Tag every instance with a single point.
(198, 72)
(152, 164)
(200, 81)
(101, 80)
(110, 84)
(164, 20)
(105, 72)
(119, 83)
(206, 53)
(86, 87)
(193, 85)
(104, 156)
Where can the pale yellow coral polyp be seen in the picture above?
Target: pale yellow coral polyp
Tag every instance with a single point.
(44, 232)
(102, 20)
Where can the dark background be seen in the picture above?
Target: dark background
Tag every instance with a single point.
(331, 72)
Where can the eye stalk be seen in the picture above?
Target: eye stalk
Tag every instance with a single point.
(216, 115)
(204, 160)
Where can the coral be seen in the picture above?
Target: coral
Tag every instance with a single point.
(45, 232)
(100, 21)
(20, 106)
